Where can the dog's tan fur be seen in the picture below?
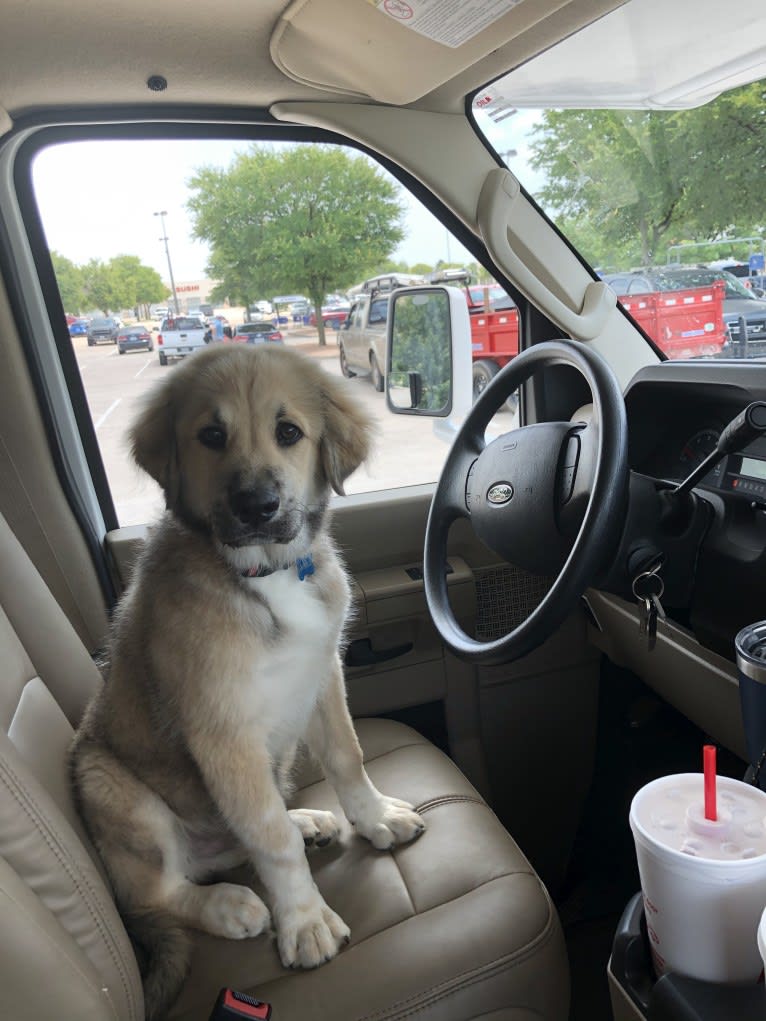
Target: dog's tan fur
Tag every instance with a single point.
(182, 762)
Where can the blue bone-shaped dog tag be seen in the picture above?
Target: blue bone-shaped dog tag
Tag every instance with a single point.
(305, 567)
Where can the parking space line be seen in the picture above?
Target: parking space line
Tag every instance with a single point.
(107, 413)
(149, 362)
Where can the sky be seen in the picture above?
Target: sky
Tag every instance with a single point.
(98, 199)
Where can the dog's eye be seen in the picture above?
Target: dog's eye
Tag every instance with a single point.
(212, 436)
(287, 434)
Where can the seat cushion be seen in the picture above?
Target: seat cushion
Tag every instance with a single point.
(455, 925)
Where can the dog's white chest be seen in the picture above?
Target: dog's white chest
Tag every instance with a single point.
(294, 664)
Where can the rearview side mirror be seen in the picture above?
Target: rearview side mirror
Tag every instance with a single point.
(428, 352)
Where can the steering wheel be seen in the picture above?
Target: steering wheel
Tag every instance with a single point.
(549, 498)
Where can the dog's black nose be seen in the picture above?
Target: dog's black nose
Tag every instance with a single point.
(255, 506)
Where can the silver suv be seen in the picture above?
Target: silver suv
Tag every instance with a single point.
(362, 338)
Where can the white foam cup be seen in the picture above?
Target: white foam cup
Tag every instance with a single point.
(762, 940)
(703, 881)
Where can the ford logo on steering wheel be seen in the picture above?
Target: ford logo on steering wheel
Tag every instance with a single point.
(500, 493)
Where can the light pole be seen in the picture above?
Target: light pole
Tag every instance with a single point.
(162, 214)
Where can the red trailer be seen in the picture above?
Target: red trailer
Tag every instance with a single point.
(683, 324)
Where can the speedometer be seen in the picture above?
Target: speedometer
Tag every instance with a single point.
(696, 449)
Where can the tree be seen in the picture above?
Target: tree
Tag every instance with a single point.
(140, 285)
(309, 219)
(69, 280)
(98, 285)
(123, 282)
(634, 182)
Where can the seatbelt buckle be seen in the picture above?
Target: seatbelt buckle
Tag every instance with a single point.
(233, 1006)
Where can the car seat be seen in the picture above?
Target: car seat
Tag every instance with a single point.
(454, 926)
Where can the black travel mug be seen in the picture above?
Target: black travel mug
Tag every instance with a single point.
(750, 647)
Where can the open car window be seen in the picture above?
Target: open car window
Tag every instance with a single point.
(155, 245)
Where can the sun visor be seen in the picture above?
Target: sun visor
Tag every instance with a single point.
(652, 55)
(397, 51)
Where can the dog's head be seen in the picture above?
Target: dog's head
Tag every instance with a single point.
(247, 442)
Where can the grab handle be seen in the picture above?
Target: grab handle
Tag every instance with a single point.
(498, 197)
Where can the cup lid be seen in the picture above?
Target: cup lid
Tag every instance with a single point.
(750, 646)
(668, 814)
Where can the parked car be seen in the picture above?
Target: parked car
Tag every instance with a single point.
(79, 328)
(102, 330)
(739, 301)
(499, 300)
(332, 315)
(362, 338)
(134, 338)
(180, 336)
(260, 332)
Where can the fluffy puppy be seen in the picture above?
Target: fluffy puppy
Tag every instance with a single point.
(224, 658)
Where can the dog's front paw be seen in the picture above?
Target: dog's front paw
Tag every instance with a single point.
(234, 912)
(389, 823)
(317, 828)
(309, 936)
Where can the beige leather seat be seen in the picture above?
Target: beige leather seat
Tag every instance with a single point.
(457, 925)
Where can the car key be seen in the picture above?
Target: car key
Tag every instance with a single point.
(648, 588)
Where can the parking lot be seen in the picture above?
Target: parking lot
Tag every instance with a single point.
(406, 451)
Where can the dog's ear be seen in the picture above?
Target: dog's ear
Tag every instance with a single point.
(153, 441)
(347, 437)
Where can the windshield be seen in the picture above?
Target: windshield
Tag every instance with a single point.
(646, 175)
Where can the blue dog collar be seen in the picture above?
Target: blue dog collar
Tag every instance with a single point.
(303, 565)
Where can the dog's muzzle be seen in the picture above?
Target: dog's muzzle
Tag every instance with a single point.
(256, 514)
(255, 507)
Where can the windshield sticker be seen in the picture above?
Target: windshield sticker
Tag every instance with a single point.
(449, 22)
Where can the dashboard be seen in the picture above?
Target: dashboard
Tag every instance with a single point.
(676, 412)
(675, 422)
(742, 472)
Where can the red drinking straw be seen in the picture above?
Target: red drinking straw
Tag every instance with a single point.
(708, 759)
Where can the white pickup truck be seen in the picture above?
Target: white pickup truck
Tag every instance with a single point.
(180, 336)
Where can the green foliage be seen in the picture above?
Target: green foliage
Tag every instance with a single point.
(627, 184)
(139, 284)
(69, 279)
(420, 269)
(306, 220)
(123, 282)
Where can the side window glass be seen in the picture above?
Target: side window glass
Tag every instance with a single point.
(155, 242)
(639, 286)
(379, 311)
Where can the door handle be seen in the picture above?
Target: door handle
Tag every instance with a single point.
(361, 653)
